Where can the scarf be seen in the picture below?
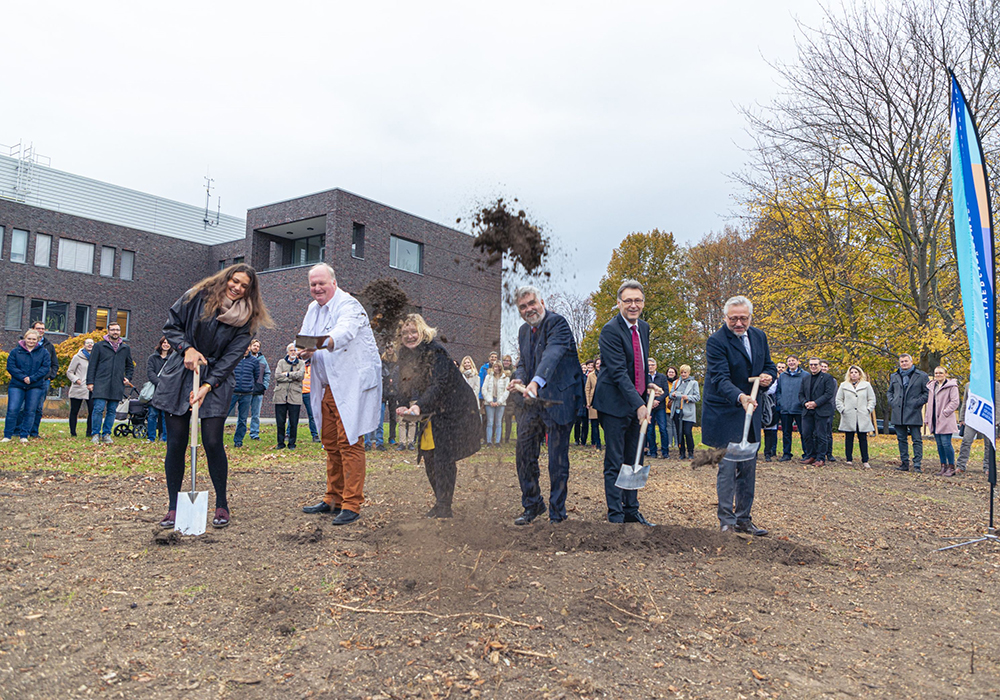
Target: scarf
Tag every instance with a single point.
(86, 353)
(905, 374)
(291, 362)
(234, 314)
(115, 344)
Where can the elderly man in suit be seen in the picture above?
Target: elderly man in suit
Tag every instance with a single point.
(817, 394)
(735, 354)
(346, 390)
(620, 397)
(549, 367)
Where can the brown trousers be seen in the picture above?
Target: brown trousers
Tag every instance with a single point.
(345, 463)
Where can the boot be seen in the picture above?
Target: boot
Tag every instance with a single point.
(941, 471)
(949, 471)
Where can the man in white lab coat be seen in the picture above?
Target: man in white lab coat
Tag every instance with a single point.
(346, 390)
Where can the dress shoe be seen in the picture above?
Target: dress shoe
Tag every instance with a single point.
(819, 463)
(278, 447)
(750, 529)
(831, 458)
(903, 468)
(321, 507)
(528, 515)
(785, 459)
(918, 470)
(346, 516)
(767, 458)
(809, 460)
(637, 518)
(949, 471)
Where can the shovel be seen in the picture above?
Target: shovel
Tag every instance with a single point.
(632, 477)
(742, 451)
(532, 400)
(192, 506)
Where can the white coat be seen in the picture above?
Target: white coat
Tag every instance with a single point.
(352, 368)
(495, 389)
(855, 404)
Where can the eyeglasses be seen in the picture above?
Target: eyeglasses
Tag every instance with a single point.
(633, 302)
(739, 319)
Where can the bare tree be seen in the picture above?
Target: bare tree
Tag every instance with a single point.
(577, 309)
(868, 102)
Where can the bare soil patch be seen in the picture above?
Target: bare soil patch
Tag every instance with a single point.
(846, 598)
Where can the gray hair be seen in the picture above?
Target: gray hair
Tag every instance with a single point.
(290, 346)
(327, 267)
(630, 284)
(737, 301)
(524, 291)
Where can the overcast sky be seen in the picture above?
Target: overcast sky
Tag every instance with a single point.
(601, 120)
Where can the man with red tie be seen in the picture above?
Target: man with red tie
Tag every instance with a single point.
(620, 397)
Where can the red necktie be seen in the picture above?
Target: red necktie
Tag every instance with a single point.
(640, 371)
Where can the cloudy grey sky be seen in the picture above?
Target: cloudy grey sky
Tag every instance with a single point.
(602, 118)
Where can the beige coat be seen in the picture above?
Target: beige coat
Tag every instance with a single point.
(589, 391)
(288, 382)
(855, 404)
(78, 370)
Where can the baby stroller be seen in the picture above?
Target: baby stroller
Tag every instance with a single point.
(132, 413)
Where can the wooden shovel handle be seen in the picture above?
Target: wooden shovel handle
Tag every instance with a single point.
(753, 393)
(649, 409)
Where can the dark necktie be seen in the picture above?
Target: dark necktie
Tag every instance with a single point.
(640, 376)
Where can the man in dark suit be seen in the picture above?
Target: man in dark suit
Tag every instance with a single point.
(735, 354)
(816, 395)
(620, 397)
(658, 419)
(549, 366)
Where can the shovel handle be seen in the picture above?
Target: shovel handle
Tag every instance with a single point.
(753, 394)
(196, 379)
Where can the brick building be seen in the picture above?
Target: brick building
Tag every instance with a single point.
(76, 252)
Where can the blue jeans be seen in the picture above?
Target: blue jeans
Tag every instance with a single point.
(243, 401)
(913, 431)
(21, 406)
(156, 419)
(946, 451)
(258, 400)
(494, 423)
(377, 435)
(658, 421)
(100, 406)
(36, 417)
(307, 404)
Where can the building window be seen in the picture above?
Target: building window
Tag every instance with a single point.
(43, 249)
(15, 307)
(75, 256)
(52, 313)
(18, 246)
(222, 264)
(308, 250)
(1, 242)
(107, 261)
(128, 263)
(82, 319)
(358, 242)
(123, 322)
(101, 321)
(237, 260)
(406, 255)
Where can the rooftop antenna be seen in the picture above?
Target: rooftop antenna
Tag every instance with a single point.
(209, 221)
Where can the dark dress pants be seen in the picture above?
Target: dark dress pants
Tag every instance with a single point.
(291, 412)
(770, 442)
(532, 425)
(735, 487)
(621, 439)
(786, 432)
(580, 429)
(815, 434)
(442, 476)
(918, 445)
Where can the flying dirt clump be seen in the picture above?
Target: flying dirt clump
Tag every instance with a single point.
(388, 304)
(502, 231)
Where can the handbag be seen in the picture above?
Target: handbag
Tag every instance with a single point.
(146, 393)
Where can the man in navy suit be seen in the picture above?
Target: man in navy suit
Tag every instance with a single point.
(620, 397)
(549, 365)
(734, 354)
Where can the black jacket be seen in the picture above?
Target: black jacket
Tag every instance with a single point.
(154, 364)
(552, 356)
(428, 377)
(906, 403)
(660, 380)
(222, 345)
(821, 388)
(53, 358)
(108, 368)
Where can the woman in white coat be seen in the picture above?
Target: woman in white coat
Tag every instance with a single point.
(78, 392)
(495, 397)
(855, 402)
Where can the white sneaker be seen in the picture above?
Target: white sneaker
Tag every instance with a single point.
(96, 439)
(106, 439)
(866, 465)
(5, 440)
(24, 441)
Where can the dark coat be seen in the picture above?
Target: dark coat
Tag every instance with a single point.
(34, 365)
(727, 372)
(154, 363)
(906, 403)
(222, 345)
(660, 380)
(821, 388)
(428, 377)
(248, 373)
(552, 356)
(615, 392)
(53, 357)
(108, 369)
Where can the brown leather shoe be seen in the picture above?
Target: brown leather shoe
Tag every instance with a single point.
(948, 471)
(807, 461)
(819, 463)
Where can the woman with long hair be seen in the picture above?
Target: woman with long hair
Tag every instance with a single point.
(435, 392)
(495, 397)
(855, 402)
(209, 327)
(940, 417)
(155, 418)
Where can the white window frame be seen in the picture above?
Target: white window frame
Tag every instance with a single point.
(107, 255)
(17, 235)
(73, 250)
(43, 250)
(6, 319)
(128, 317)
(393, 255)
(130, 256)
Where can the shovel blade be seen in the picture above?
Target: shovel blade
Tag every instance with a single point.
(192, 513)
(741, 451)
(632, 477)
